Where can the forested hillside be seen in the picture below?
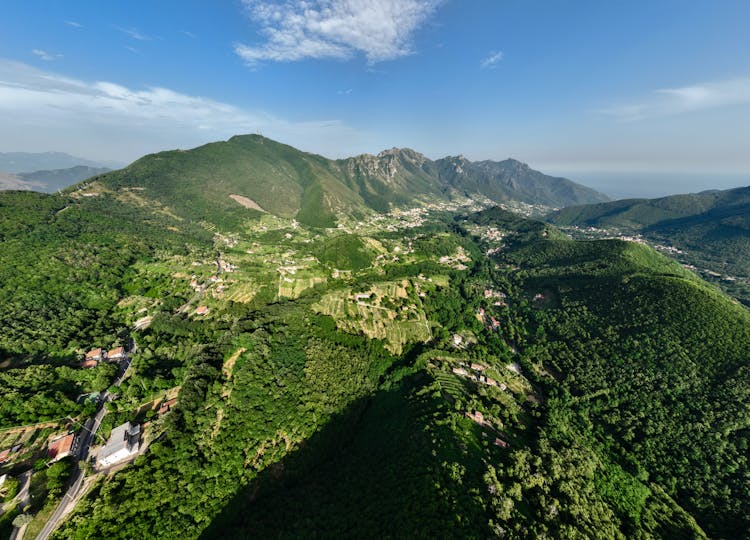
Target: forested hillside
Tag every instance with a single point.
(600, 413)
(709, 231)
(227, 182)
(430, 372)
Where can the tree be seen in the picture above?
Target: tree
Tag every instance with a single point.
(22, 519)
(11, 487)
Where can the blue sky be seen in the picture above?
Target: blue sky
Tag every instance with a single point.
(590, 88)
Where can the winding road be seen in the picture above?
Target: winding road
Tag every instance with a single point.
(87, 439)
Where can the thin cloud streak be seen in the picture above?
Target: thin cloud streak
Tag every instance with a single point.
(334, 29)
(46, 56)
(685, 99)
(491, 62)
(134, 33)
(37, 104)
(74, 24)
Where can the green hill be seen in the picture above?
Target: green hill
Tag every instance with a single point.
(225, 183)
(654, 213)
(712, 229)
(512, 180)
(431, 375)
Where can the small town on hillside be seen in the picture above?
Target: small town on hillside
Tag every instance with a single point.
(26, 451)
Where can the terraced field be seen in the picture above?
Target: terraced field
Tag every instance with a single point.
(390, 311)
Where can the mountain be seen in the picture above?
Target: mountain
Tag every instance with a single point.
(513, 180)
(641, 214)
(430, 373)
(711, 228)
(21, 162)
(250, 174)
(48, 181)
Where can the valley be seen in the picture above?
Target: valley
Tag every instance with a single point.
(449, 366)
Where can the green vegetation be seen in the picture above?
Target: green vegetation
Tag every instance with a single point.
(46, 392)
(344, 252)
(426, 376)
(709, 231)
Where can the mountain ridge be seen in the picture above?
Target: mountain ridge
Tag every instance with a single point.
(318, 191)
(710, 229)
(49, 181)
(25, 162)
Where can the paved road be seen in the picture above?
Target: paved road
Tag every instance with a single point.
(87, 439)
(23, 501)
(23, 493)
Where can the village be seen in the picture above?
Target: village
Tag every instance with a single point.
(26, 451)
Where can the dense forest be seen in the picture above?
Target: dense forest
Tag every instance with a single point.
(432, 375)
(610, 426)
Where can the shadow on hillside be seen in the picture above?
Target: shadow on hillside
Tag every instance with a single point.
(372, 472)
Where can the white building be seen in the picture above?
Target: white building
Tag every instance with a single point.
(122, 444)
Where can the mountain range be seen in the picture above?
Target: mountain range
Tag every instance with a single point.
(249, 174)
(711, 228)
(48, 181)
(23, 162)
(450, 370)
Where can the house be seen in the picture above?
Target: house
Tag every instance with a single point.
(167, 406)
(478, 367)
(201, 310)
(123, 443)
(491, 382)
(89, 363)
(477, 416)
(459, 371)
(94, 354)
(60, 447)
(362, 296)
(499, 442)
(4, 455)
(457, 339)
(116, 354)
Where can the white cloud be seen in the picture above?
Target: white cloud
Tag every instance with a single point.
(338, 29)
(134, 33)
(46, 56)
(696, 97)
(492, 60)
(74, 24)
(103, 120)
(188, 34)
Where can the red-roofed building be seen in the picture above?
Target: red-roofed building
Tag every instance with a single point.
(201, 310)
(94, 354)
(60, 447)
(4, 455)
(116, 354)
(89, 363)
